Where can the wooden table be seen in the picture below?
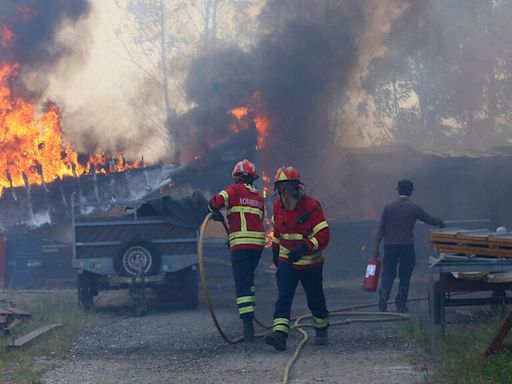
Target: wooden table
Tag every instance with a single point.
(438, 289)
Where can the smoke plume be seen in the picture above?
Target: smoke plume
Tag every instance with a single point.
(34, 25)
(301, 66)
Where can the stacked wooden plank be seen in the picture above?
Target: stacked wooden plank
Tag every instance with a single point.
(9, 314)
(472, 243)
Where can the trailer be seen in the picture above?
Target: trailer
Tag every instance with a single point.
(117, 247)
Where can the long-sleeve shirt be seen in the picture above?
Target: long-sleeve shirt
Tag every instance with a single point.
(398, 220)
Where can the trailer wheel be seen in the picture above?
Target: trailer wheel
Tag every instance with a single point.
(87, 289)
(190, 288)
(137, 256)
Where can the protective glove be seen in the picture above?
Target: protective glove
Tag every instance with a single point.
(275, 256)
(217, 216)
(296, 253)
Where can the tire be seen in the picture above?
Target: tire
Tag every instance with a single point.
(190, 287)
(87, 288)
(137, 255)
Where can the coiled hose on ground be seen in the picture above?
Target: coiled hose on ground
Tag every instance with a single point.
(356, 316)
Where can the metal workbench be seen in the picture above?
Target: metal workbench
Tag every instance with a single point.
(445, 267)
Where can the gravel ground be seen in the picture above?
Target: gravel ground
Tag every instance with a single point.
(177, 346)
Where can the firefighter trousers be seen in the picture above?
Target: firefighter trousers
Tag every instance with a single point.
(244, 262)
(402, 257)
(287, 280)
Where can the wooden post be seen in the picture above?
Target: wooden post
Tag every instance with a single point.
(497, 342)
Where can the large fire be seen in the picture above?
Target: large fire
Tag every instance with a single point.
(253, 112)
(31, 148)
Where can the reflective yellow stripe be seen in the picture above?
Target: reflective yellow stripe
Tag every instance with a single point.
(245, 299)
(317, 228)
(280, 328)
(315, 243)
(246, 240)
(243, 222)
(283, 251)
(256, 234)
(312, 256)
(243, 310)
(276, 240)
(281, 320)
(311, 259)
(316, 260)
(254, 211)
(320, 323)
(292, 236)
(225, 195)
(305, 259)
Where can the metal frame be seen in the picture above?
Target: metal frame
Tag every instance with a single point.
(132, 220)
(444, 267)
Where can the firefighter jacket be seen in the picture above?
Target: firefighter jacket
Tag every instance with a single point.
(245, 212)
(306, 224)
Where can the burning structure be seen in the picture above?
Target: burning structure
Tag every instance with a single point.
(283, 100)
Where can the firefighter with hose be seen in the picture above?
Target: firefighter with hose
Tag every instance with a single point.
(245, 213)
(301, 233)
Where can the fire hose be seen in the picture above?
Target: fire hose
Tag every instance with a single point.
(297, 325)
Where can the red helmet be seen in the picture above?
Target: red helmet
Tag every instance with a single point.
(244, 168)
(286, 174)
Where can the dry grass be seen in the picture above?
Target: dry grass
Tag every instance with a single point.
(461, 353)
(46, 307)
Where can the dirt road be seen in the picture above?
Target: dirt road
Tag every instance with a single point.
(170, 345)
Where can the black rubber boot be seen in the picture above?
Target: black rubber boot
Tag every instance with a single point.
(248, 330)
(276, 339)
(400, 302)
(383, 300)
(322, 337)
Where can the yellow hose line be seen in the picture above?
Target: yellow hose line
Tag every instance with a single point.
(347, 311)
(204, 285)
(296, 354)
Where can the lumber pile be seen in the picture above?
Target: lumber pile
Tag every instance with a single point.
(459, 244)
(472, 243)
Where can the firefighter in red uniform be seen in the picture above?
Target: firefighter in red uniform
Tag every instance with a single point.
(300, 235)
(245, 212)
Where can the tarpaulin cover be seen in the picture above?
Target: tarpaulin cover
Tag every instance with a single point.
(186, 212)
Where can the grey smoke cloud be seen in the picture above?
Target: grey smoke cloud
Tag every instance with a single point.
(34, 24)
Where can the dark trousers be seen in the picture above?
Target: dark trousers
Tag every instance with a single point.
(311, 280)
(403, 257)
(244, 263)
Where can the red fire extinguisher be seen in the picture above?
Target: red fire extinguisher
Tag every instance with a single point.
(371, 278)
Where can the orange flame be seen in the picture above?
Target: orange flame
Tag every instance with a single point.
(239, 113)
(31, 148)
(269, 235)
(6, 36)
(255, 112)
(267, 223)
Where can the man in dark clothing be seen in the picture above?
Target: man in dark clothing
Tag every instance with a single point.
(396, 228)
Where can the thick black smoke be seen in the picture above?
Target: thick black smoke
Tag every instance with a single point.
(34, 25)
(301, 67)
(217, 82)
